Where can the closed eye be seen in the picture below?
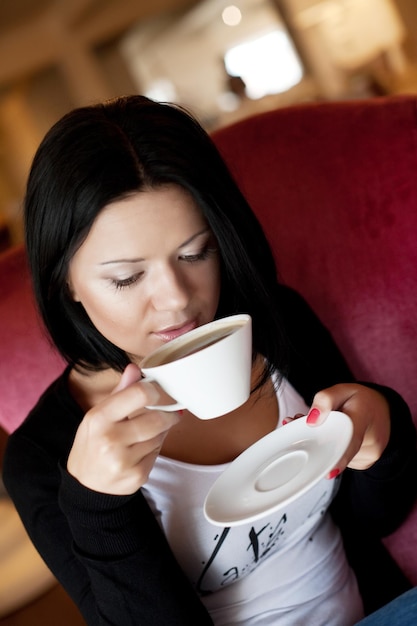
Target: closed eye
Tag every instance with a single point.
(200, 256)
(122, 283)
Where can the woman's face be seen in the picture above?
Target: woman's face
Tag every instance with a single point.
(148, 270)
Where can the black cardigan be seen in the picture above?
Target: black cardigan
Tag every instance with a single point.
(109, 552)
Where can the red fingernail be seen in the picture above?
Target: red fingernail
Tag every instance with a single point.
(180, 411)
(284, 422)
(313, 416)
(335, 472)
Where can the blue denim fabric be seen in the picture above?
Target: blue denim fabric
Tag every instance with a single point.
(401, 611)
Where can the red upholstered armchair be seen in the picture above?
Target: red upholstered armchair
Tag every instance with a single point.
(27, 364)
(335, 186)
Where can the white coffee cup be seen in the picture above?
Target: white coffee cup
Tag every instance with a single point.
(207, 370)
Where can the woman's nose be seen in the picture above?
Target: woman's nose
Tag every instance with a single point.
(170, 290)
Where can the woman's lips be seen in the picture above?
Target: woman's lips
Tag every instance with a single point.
(167, 334)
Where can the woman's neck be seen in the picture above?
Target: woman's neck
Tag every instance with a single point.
(211, 442)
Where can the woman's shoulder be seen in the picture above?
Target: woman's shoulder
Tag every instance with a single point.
(52, 421)
(38, 446)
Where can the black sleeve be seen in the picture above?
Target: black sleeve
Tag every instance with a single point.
(108, 552)
(373, 503)
(370, 503)
(380, 497)
(133, 574)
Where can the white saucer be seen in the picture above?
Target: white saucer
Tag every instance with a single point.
(277, 469)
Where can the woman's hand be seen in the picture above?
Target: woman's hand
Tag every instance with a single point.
(118, 440)
(369, 412)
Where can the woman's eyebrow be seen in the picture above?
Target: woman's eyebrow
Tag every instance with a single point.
(115, 261)
(139, 259)
(195, 236)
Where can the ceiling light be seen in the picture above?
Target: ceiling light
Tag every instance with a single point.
(231, 15)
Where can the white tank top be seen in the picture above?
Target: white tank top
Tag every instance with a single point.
(286, 569)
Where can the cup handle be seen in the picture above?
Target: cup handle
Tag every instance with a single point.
(163, 407)
(167, 407)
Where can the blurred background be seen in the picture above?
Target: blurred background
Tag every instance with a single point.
(224, 59)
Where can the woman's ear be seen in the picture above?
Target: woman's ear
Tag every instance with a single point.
(72, 292)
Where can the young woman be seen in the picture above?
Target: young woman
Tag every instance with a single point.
(137, 233)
